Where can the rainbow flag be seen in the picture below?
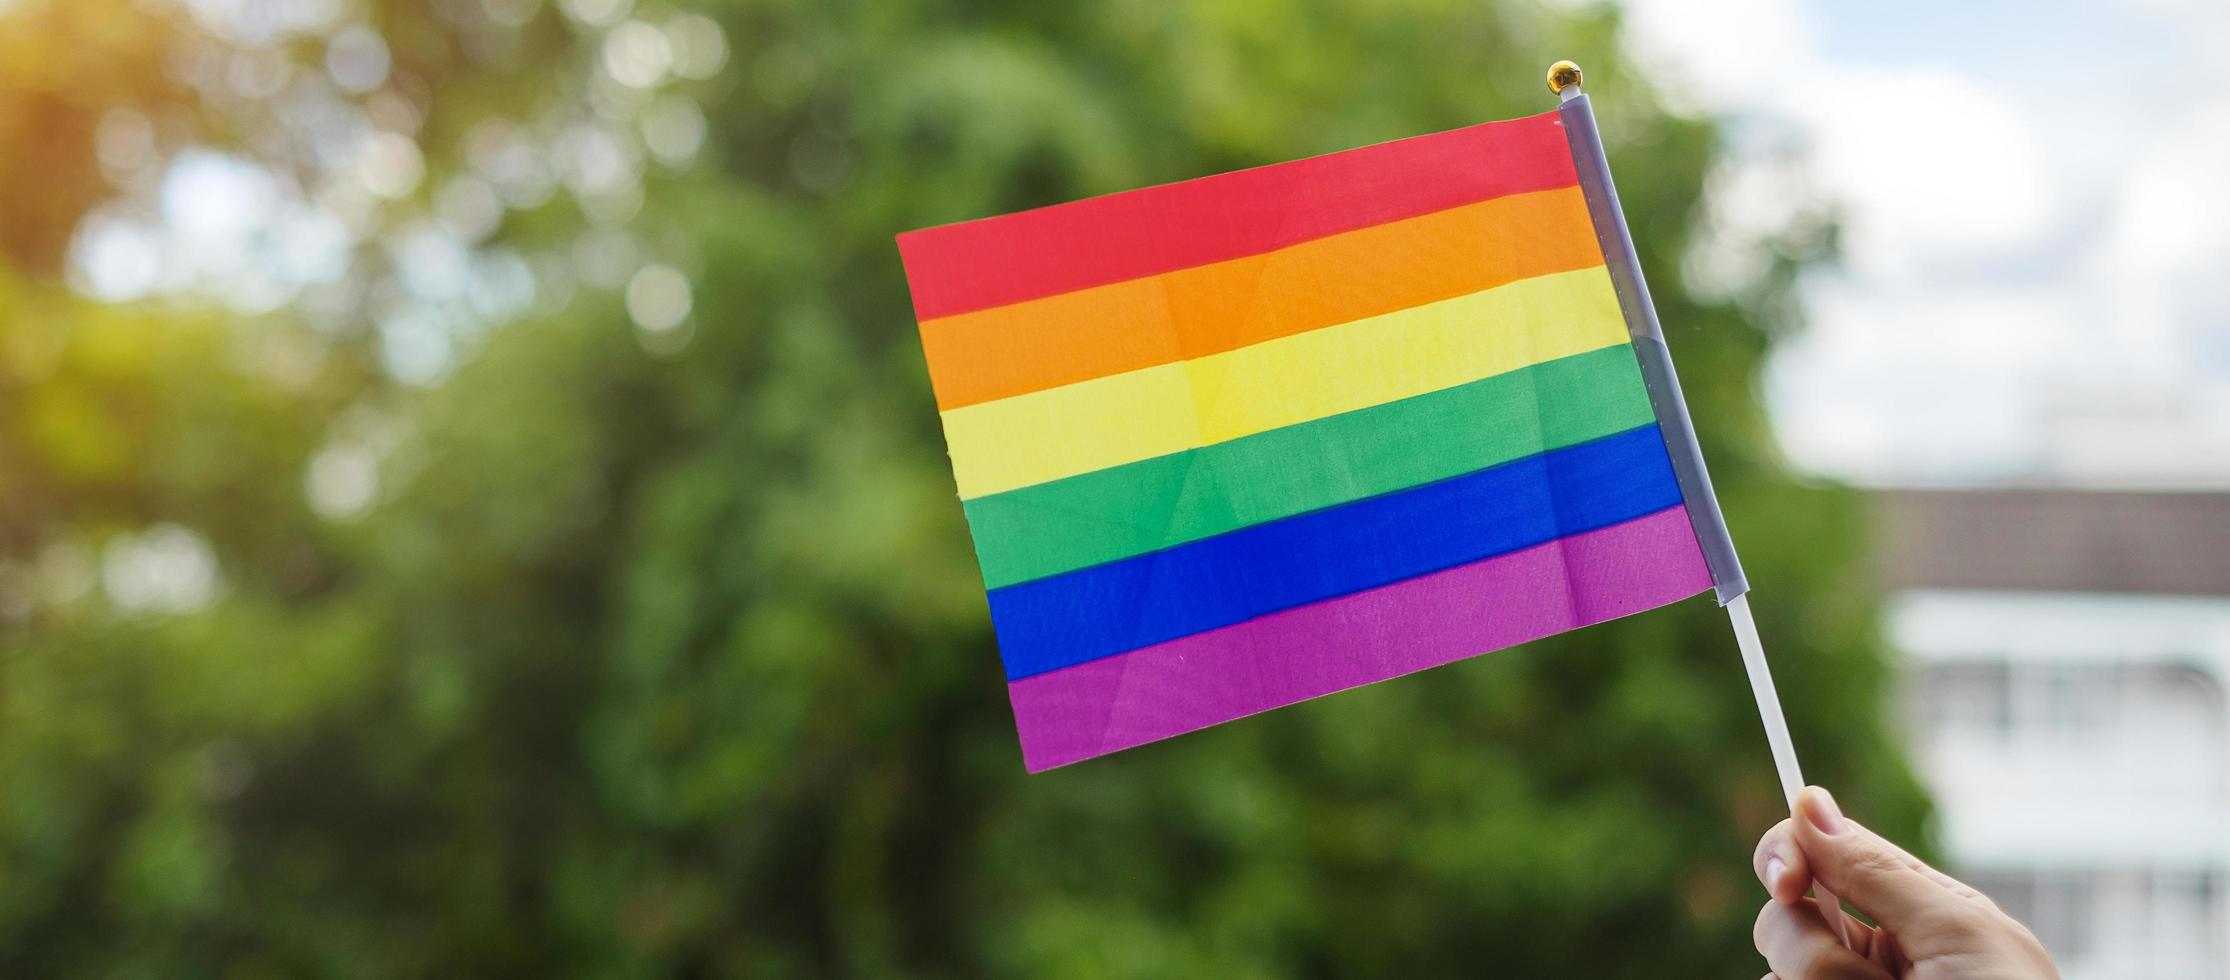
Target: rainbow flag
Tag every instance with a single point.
(1241, 441)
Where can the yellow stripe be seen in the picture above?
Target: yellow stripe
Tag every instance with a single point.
(1091, 425)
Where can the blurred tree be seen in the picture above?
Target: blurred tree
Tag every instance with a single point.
(470, 503)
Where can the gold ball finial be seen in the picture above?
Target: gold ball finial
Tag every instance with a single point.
(1562, 75)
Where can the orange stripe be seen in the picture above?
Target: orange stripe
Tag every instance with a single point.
(1223, 306)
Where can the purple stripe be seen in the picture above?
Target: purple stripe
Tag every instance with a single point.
(1192, 682)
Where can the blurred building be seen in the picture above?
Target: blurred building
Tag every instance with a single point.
(2068, 653)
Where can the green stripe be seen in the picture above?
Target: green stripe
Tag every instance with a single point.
(1096, 517)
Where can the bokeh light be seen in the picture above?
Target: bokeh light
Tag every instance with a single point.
(164, 569)
(658, 298)
(357, 59)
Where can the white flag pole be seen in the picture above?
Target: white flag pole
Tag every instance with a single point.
(1769, 702)
(1777, 737)
(1680, 436)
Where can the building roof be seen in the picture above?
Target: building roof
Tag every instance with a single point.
(2175, 543)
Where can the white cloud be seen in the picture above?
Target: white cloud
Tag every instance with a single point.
(1916, 382)
(2031, 280)
(2168, 246)
(1931, 164)
(1722, 54)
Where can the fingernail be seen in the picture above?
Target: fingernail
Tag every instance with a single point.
(1820, 809)
(1774, 869)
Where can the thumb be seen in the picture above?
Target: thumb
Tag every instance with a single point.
(1892, 887)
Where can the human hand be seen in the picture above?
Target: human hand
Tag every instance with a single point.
(1929, 925)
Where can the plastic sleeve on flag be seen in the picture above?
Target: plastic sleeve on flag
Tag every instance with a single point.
(1649, 347)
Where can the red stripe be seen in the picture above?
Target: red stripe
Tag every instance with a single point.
(991, 262)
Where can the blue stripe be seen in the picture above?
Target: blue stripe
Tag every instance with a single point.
(1095, 612)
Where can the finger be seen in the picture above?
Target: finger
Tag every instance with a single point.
(1796, 943)
(1780, 864)
(1890, 955)
(1892, 887)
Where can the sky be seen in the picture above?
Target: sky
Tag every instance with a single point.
(2037, 230)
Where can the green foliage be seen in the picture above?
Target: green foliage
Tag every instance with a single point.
(650, 664)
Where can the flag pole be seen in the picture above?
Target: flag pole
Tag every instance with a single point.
(1679, 431)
